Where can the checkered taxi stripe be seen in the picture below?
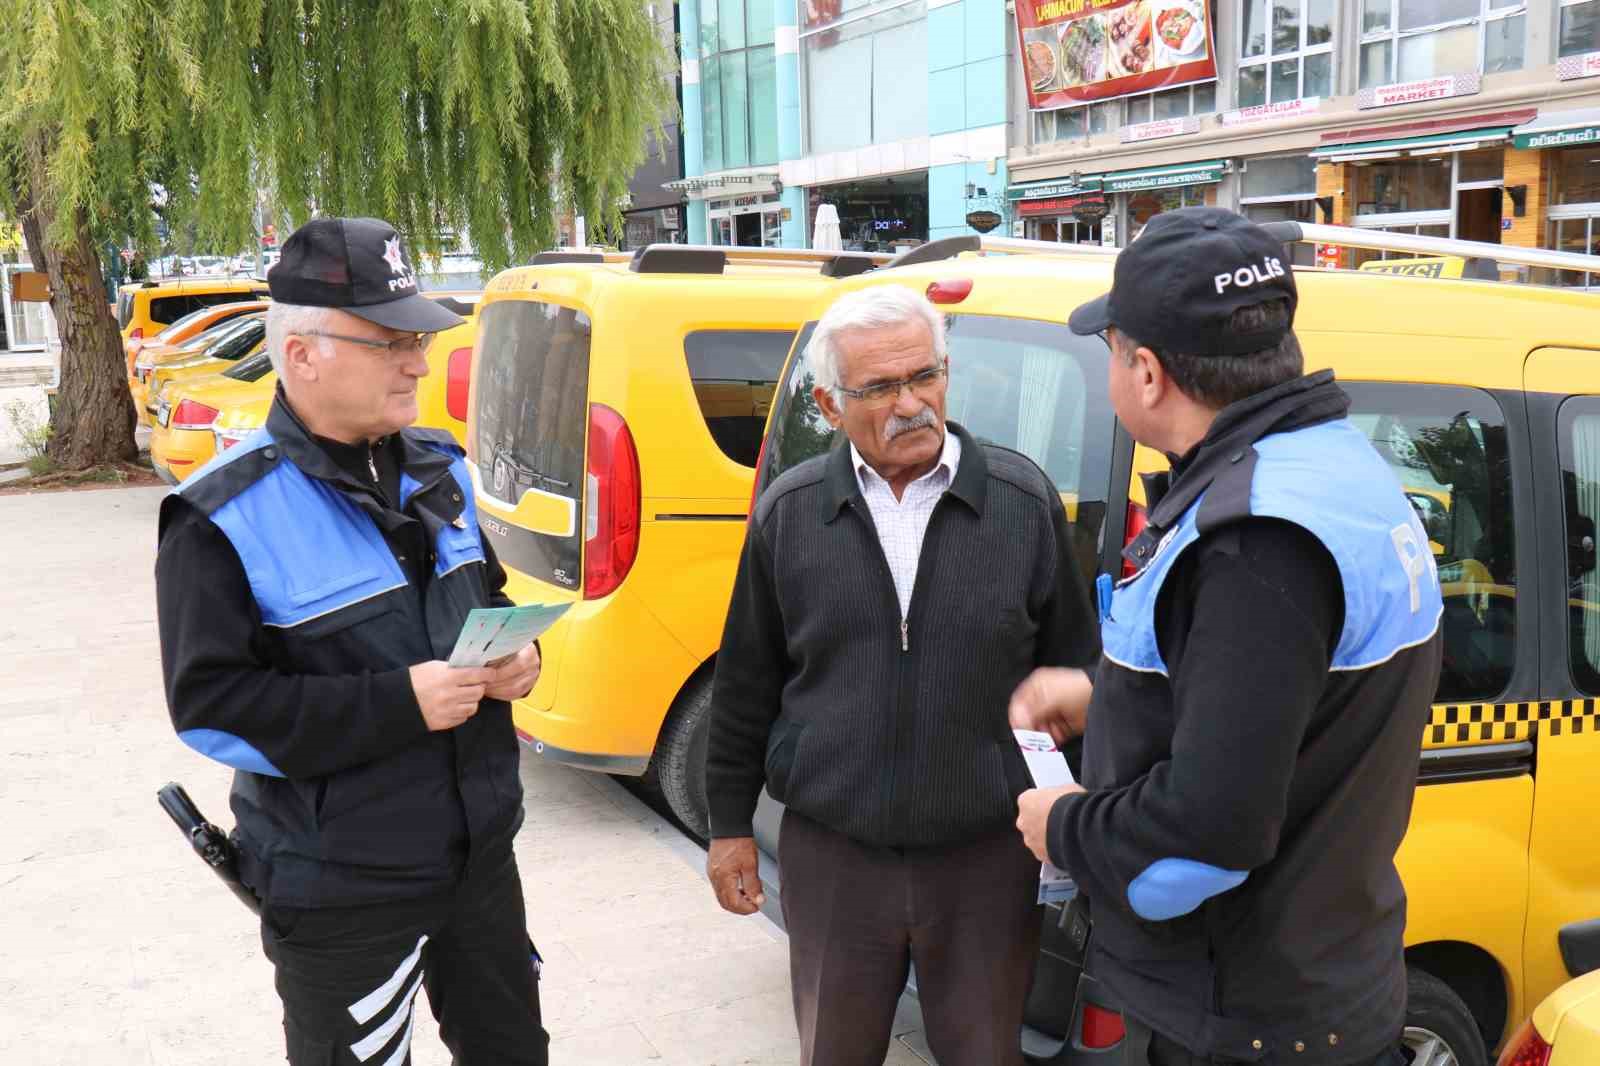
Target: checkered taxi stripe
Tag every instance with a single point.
(1456, 724)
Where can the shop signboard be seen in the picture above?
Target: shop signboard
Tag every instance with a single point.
(983, 221)
(1250, 116)
(1091, 210)
(1088, 209)
(1586, 65)
(1412, 92)
(1160, 128)
(1078, 50)
(1558, 138)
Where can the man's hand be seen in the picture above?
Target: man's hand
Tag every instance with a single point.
(731, 867)
(1054, 700)
(448, 695)
(514, 676)
(1033, 817)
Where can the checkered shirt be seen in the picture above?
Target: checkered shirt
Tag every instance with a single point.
(902, 523)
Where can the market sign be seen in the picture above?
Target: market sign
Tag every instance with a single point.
(1412, 92)
(1053, 188)
(1586, 65)
(1250, 116)
(1558, 138)
(1073, 51)
(1087, 209)
(1165, 177)
(1161, 127)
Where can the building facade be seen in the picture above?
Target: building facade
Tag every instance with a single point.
(1476, 119)
(655, 211)
(892, 111)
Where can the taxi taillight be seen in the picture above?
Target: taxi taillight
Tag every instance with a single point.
(611, 503)
(1527, 1048)
(1136, 521)
(458, 375)
(949, 291)
(191, 414)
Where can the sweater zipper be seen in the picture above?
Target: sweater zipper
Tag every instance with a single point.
(905, 635)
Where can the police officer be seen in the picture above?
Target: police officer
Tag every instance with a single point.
(1251, 744)
(309, 583)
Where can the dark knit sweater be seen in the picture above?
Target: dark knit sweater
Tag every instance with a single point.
(896, 741)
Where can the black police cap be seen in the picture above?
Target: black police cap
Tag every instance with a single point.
(356, 265)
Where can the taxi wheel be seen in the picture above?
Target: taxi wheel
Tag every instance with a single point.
(680, 757)
(1440, 1029)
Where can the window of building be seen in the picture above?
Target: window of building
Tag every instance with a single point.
(1580, 27)
(1448, 449)
(1172, 103)
(1073, 123)
(1286, 51)
(866, 75)
(1064, 229)
(738, 84)
(1408, 40)
(1281, 189)
(1575, 210)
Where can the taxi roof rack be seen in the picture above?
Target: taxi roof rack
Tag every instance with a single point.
(1484, 256)
(714, 258)
(950, 247)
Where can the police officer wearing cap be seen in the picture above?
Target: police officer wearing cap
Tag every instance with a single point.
(1250, 749)
(310, 581)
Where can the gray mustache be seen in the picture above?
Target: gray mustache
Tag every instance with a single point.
(897, 426)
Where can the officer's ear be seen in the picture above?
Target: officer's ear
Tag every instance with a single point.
(301, 357)
(1150, 379)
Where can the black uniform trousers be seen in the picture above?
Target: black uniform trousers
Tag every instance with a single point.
(1144, 1047)
(349, 976)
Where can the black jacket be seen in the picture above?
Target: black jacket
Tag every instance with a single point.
(894, 742)
(1251, 754)
(341, 795)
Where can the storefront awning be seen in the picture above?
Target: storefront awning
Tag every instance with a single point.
(1458, 141)
(1559, 129)
(1049, 189)
(1202, 173)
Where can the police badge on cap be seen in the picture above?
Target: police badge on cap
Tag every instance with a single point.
(357, 265)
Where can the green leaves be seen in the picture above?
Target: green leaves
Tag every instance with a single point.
(438, 115)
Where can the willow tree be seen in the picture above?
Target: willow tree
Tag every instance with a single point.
(484, 117)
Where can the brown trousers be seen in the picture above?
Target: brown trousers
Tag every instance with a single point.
(858, 916)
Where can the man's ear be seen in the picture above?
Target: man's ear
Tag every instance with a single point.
(1150, 377)
(299, 359)
(825, 404)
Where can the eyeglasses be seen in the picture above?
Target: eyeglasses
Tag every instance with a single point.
(410, 344)
(887, 392)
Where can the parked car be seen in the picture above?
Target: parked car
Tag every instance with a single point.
(1483, 397)
(145, 307)
(618, 407)
(190, 326)
(1564, 1030)
(159, 364)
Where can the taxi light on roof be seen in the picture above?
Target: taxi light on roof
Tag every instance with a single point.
(1527, 1048)
(951, 291)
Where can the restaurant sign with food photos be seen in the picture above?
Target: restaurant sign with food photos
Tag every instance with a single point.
(1079, 50)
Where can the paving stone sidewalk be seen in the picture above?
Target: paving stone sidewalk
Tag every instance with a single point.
(116, 946)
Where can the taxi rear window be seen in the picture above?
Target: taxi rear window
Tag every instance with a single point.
(734, 374)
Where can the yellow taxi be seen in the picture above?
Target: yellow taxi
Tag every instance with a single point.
(208, 414)
(617, 413)
(146, 307)
(1563, 1031)
(1485, 399)
(190, 326)
(157, 367)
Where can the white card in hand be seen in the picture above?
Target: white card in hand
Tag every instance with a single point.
(1049, 769)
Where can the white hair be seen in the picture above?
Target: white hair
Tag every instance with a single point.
(867, 309)
(286, 319)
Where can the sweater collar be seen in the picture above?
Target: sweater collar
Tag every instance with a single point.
(970, 484)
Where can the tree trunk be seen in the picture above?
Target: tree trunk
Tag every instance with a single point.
(93, 419)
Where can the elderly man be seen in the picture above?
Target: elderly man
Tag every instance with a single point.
(309, 583)
(890, 597)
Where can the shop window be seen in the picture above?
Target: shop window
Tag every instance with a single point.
(738, 84)
(1448, 449)
(1579, 437)
(1281, 189)
(1408, 40)
(1172, 103)
(866, 74)
(1575, 176)
(1286, 51)
(1403, 186)
(1580, 234)
(1580, 27)
(1147, 204)
(1073, 123)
